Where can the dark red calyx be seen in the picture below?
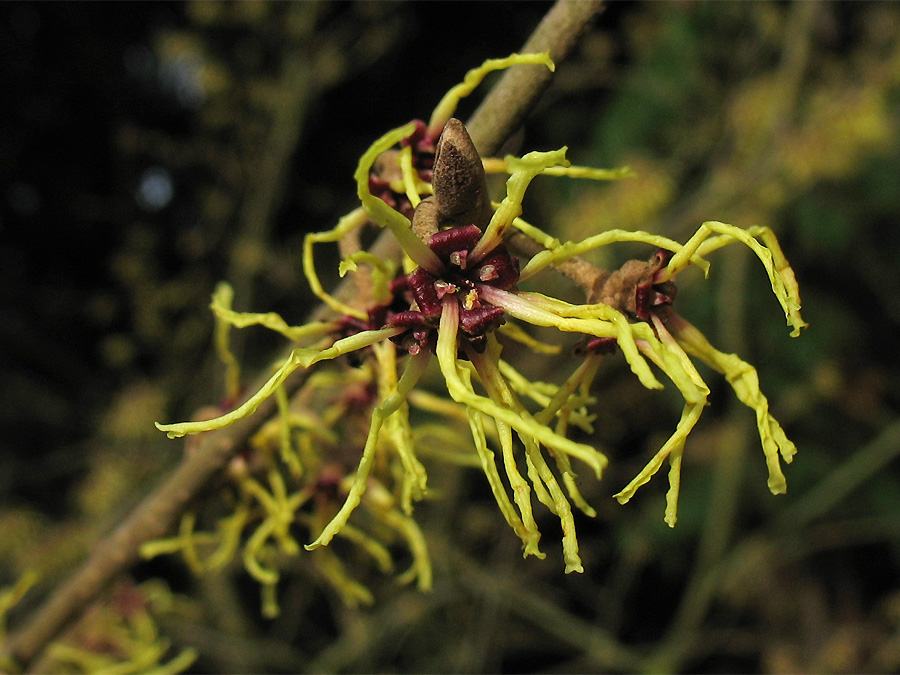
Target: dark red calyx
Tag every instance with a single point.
(455, 239)
(480, 320)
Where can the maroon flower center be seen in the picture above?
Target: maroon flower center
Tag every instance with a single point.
(457, 278)
(635, 290)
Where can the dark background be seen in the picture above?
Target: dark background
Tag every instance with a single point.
(149, 150)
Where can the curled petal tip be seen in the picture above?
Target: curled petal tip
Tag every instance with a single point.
(777, 486)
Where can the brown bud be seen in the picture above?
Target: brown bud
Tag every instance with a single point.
(460, 189)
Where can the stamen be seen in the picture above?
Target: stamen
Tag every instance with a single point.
(471, 300)
(488, 273)
(458, 258)
(443, 288)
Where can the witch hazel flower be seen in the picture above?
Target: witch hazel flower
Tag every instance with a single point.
(645, 292)
(458, 290)
(457, 280)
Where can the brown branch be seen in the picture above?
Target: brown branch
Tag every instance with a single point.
(501, 113)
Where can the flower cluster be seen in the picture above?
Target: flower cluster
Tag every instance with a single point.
(122, 635)
(289, 482)
(458, 291)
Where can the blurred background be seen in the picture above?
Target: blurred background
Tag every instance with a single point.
(148, 151)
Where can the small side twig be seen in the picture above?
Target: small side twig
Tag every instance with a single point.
(499, 116)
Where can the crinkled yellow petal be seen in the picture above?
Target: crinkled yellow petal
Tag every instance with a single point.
(533, 232)
(523, 171)
(497, 165)
(544, 394)
(384, 215)
(597, 320)
(411, 184)
(418, 547)
(252, 550)
(223, 297)
(561, 508)
(383, 272)
(221, 307)
(530, 537)
(486, 366)
(447, 106)
(744, 379)
(415, 368)
(781, 276)
(298, 358)
(570, 249)
(521, 421)
(289, 455)
(352, 221)
(671, 359)
(398, 428)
